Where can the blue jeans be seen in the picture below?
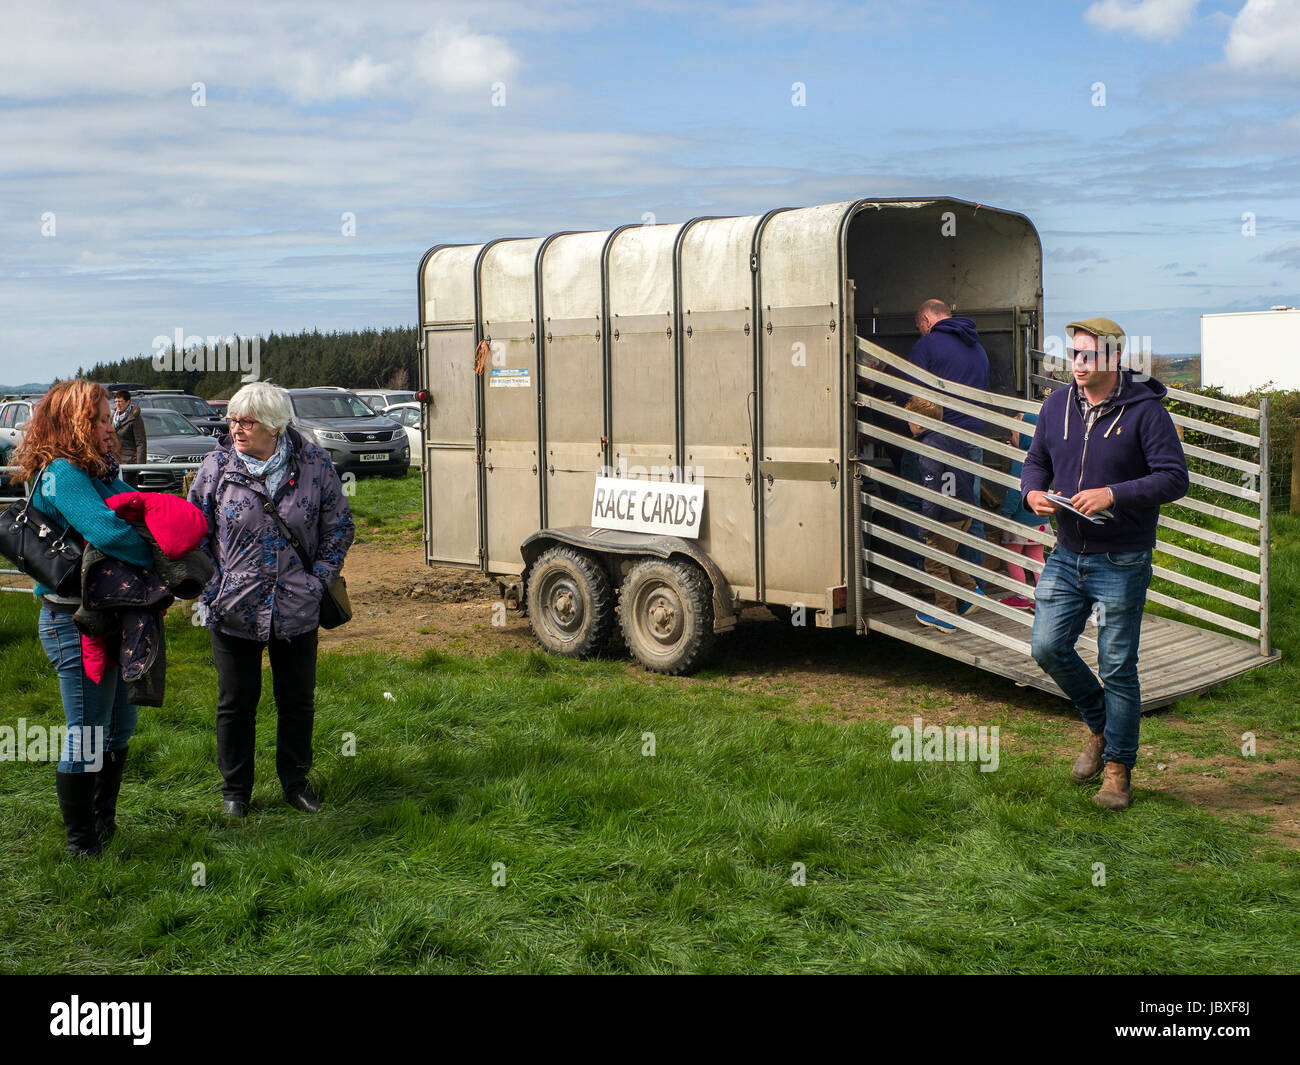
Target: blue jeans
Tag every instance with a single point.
(910, 470)
(965, 552)
(98, 716)
(1070, 587)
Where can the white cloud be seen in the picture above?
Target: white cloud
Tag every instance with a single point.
(1265, 38)
(455, 59)
(1156, 20)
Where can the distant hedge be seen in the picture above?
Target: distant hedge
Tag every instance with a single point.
(1284, 414)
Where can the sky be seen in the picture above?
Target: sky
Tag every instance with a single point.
(249, 168)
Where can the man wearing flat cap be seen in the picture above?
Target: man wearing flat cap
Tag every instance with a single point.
(1108, 445)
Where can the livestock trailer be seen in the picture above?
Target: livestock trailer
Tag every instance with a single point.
(646, 429)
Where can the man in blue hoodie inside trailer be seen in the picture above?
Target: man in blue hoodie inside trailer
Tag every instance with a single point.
(950, 348)
(1107, 444)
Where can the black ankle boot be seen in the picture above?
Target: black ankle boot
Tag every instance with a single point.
(108, 782)
(77, 803)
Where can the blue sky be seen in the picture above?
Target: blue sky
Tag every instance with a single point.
(227, 217)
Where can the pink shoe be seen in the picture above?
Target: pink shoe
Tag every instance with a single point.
(1017, 601)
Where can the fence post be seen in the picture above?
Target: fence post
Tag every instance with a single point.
(1265, 634)
(1295, 473)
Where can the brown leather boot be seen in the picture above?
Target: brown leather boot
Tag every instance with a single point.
(1088, 764)
(1116, 788)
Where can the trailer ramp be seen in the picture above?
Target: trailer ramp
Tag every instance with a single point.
(1175, 658)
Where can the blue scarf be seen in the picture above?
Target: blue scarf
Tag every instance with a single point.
(271, 470)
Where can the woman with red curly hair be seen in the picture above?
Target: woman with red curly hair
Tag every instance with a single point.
(69, 456)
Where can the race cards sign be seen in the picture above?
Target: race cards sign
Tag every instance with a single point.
(648, 506)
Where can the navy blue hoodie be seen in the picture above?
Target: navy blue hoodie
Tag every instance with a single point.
(952, 350)
(1132, 449)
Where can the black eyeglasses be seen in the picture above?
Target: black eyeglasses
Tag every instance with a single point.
(242, 423)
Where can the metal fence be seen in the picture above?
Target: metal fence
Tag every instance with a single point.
(1208, 539)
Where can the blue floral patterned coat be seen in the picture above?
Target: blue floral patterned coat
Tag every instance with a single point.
(260, 588)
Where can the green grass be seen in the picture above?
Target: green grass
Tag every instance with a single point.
(614, 861)
(387, 510)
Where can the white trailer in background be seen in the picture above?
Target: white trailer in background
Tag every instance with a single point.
(1247, 350)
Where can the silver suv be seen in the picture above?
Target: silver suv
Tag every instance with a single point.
(358, 440)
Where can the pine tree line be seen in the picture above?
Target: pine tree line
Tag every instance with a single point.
(384, 358)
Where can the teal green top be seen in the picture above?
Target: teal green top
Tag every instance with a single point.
(73, 497)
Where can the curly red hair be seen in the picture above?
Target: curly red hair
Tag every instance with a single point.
(63, 427)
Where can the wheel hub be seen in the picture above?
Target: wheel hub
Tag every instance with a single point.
(564, 604)
(664, 615)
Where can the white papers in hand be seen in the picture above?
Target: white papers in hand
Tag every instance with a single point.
(1064, 503)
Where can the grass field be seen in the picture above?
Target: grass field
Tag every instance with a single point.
(534, 770)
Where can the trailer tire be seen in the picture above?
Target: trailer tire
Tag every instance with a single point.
(666, 614)
(570, 603)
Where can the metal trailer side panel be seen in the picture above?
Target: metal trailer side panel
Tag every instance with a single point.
(716, 286)
(512, 486)
(447, 284)
(801, 378)
(643, 362)
(573, 370)
(451, 525)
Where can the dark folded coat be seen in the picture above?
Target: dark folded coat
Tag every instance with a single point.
(120, 617)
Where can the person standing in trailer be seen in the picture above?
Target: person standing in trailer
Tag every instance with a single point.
(950, 348)
(1108, 444)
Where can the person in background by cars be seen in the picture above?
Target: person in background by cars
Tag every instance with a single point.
(132, 440)
(68, 455)
(260, 596)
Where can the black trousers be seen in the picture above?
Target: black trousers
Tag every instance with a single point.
(239, 687)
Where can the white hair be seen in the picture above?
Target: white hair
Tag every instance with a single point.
(263, 401)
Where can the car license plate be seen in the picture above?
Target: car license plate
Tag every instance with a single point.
(375, 456)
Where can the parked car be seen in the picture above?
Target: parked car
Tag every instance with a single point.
(219, 406)
(14, 414)
(408, 415)
(356, 438)
(171, 437)
(379, 398)
(193, 408)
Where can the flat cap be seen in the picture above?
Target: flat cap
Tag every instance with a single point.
(1098, 327)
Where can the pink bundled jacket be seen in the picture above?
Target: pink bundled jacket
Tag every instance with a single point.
(178, 527)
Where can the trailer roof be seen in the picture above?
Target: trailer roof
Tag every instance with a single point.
(801, 250)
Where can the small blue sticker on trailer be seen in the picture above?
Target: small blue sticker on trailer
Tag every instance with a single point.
(502, 378)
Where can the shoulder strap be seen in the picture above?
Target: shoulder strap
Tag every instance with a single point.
(294, 542)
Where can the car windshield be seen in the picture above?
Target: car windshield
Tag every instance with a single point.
(400, 397)
(164, 423)
(338, 405)
(181, 404)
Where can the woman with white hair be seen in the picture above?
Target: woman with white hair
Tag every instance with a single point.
(261, 596)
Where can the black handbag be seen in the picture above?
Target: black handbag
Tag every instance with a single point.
(335, 607)
(42, 548)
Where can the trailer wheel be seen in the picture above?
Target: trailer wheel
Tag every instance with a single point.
(666, 614)
(570, 603)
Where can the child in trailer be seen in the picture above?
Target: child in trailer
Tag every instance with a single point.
(1015, 508)
(939, 476)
